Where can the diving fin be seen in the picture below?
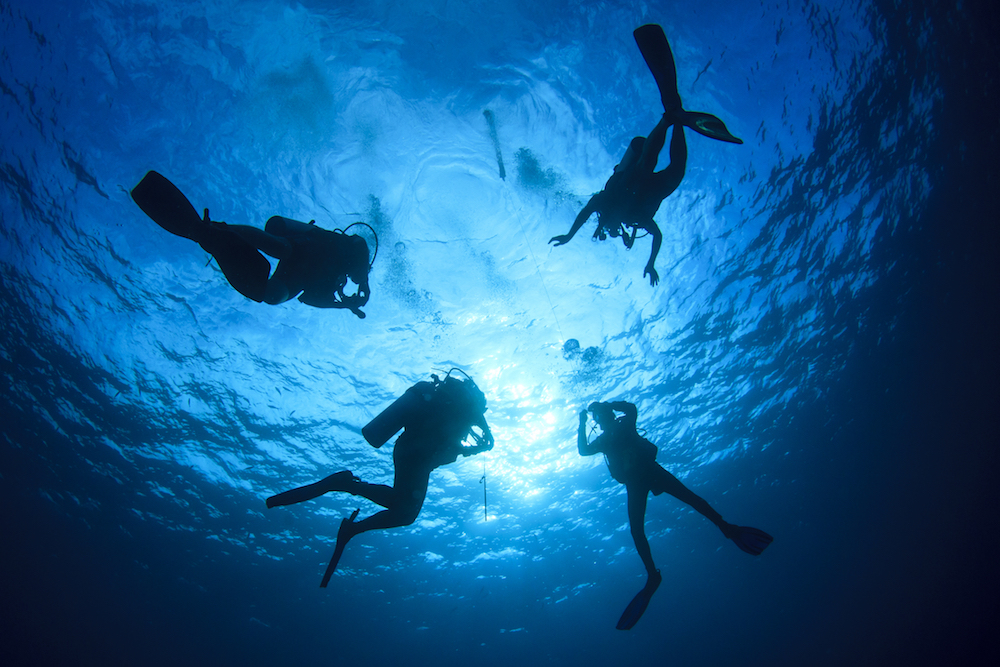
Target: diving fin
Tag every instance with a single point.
(708, 125)
(637, 607)
(751, 540)
(244, 267)
(339, 549)
(659, 58)
(338, 481)
(167, 206)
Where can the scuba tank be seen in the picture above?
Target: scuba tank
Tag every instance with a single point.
(394, 418)
(426, 400)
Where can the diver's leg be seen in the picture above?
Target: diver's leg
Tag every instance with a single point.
(380, 494)
(663, 183)
(678, 148)
(276, 291)
(402, 502)
(664, 482)
(636, 519)
(273, 245)
(287, 280)
(338, 481)
(654, 144)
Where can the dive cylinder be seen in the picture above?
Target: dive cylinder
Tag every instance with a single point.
(391, 421)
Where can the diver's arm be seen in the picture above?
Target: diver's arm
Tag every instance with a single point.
(629, 237)
(585, 448)
(334, 299)
(484, 443)
(363, 292)
(331, 299)
(582, 218)
(657, 235)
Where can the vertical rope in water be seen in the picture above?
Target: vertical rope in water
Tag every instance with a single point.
(486, 516)
(496, 142)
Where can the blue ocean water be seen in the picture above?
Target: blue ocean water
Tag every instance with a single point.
(818, 359)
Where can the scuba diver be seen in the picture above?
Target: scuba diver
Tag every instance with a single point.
(313, 263)
(634, 192)
(436, 417)
(631, 461)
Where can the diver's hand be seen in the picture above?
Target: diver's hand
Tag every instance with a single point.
(654, 277)
(484, 443)
(487, 440)
(562, 239)
(584, 415)
(354, 303)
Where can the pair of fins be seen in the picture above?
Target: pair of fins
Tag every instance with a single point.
(660, 59)
(244, 267)
(751, 540)
(338, 481)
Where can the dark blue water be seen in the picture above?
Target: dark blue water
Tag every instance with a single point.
(818, 360)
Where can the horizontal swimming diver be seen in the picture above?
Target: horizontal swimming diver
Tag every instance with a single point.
(314, 264)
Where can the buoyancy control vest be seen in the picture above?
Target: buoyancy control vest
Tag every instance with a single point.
(629, 454)
(445, 409)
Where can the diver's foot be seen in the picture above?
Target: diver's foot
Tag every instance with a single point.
(213, 234)
(751, 540)
(674, 115)
(731, 531)
(341, 481)
(346, 532)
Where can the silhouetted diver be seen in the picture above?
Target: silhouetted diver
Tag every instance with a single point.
(312, 261)
(436, 417)
(632, 461)
(635, 190)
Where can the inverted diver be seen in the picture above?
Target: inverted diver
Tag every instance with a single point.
(436, 417)
(314, 264)
(634, 192)
(631, 461)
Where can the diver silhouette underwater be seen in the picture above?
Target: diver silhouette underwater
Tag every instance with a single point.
(436, 417)
(631, 461)
(634, 192)
(312, 261)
